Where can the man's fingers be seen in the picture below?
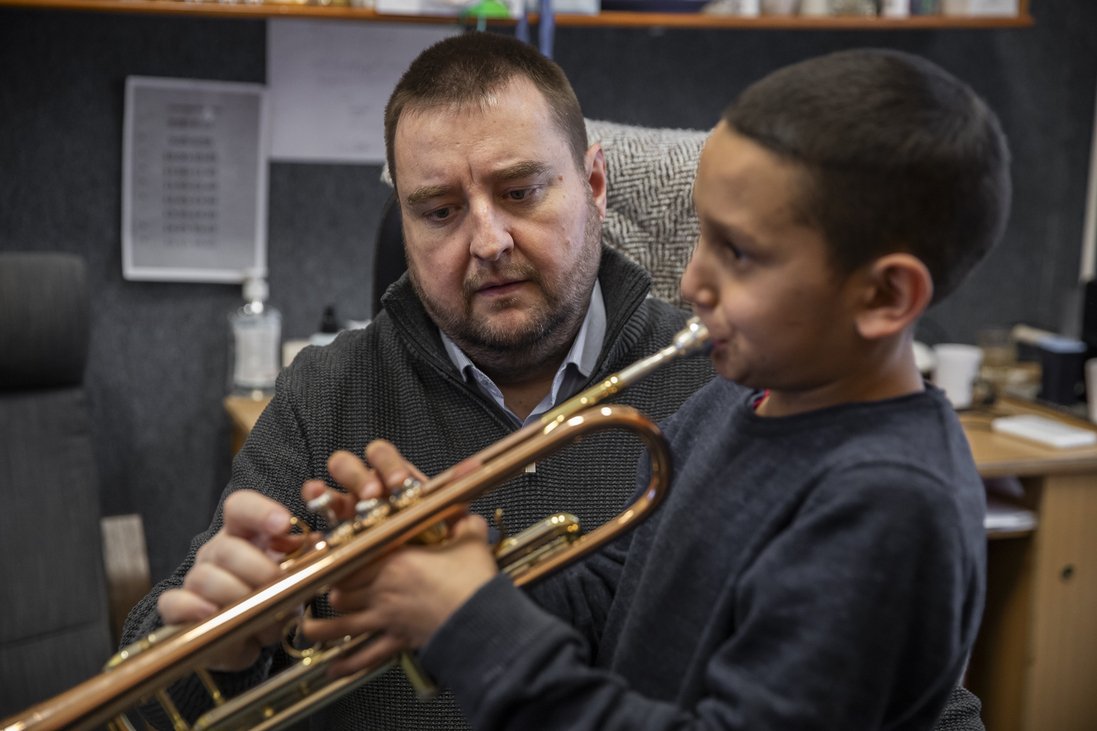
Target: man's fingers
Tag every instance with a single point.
(287, 544)
(254, 517)
(178, 605)
(338, 503)
(215, 584)
(239, 557)
(389, 471)
(390, 465)
(350, 472)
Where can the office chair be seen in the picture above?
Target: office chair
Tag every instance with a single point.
(388, 255)
(55, 632)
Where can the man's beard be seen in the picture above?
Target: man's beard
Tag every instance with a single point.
(509, 354)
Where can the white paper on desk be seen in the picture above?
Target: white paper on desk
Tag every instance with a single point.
(329, 81)
(1003, 516)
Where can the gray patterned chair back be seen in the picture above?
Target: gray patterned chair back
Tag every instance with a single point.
(649, 211)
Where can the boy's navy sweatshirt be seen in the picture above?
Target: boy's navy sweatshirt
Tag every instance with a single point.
(823, 570)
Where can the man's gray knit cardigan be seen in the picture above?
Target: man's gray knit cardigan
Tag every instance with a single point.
(395, 381)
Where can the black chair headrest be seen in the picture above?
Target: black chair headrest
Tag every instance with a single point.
(44, 320)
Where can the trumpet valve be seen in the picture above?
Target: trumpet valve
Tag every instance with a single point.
(322, 506)
(406, 494)
(371, 512)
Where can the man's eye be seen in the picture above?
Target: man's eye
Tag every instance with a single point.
(440, 214)
(521, 194)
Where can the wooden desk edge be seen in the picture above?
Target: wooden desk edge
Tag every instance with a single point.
(244, 411)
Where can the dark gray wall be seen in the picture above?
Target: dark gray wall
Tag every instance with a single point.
(156, 371)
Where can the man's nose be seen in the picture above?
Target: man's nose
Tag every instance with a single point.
(491, 236)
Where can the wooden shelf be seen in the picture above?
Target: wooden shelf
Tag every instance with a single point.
(608, 18)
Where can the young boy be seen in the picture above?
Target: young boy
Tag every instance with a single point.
(819, 561)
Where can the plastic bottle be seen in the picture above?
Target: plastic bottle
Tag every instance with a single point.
(256, 339)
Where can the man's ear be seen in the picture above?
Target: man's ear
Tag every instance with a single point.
(897, 289)
(596, 175)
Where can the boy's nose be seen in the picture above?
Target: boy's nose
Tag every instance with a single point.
(491, 236)
(692, 285)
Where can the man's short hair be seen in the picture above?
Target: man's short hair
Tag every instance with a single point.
(899, 155)
(466, 69)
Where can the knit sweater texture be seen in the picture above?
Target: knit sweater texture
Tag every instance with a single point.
(394, 380)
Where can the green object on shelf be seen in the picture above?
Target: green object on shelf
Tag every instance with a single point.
(487, 9)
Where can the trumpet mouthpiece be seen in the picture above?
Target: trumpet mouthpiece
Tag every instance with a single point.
(693, 339)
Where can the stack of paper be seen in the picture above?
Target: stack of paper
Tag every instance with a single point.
(1045, 431)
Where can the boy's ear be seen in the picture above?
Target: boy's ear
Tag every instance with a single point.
(897, 288)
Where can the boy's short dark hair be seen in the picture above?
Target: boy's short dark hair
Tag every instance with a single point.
(465, 69)
(899, 154)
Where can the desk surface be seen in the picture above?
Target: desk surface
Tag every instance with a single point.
(1001, 455)
(244, 412)
(996, 455)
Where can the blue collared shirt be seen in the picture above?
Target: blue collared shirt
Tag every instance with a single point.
(573, 372)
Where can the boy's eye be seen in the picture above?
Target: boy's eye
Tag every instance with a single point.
(735, 251)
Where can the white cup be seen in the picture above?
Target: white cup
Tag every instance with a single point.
(895, 8)
(957, 366)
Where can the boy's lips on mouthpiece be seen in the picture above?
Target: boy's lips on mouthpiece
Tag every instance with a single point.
(717, 342)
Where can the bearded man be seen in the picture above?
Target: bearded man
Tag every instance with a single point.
(510, 306)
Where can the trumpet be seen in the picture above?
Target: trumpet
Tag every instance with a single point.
(144, 670)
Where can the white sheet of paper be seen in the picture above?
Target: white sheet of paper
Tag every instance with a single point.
(194, 180)
(329, 81)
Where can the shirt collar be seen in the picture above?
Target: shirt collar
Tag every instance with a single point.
(572, 373)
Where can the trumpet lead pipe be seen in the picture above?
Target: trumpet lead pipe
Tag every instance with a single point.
(693, 339)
